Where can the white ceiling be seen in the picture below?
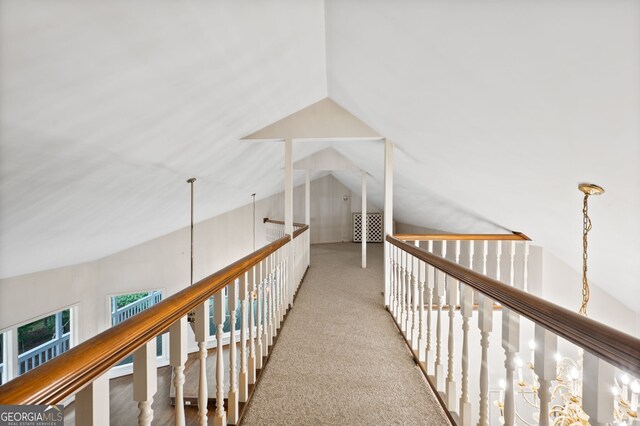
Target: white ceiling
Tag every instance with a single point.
(498, 110)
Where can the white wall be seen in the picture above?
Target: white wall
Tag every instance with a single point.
(163, 263)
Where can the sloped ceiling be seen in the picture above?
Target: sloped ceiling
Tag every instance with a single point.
(106, 108)
(497, 110)
(501, 108)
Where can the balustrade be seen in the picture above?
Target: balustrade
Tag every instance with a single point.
(594, 381)
(258, 285)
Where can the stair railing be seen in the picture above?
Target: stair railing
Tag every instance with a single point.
(259, 279)
(452, 274)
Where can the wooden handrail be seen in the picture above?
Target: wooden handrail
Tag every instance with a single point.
(514, 236)
(613, 346)
(68, 373)
(281, 222)
(299, 231)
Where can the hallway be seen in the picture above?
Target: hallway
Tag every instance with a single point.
(339, 357)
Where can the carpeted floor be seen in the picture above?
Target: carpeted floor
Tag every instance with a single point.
(339, 358)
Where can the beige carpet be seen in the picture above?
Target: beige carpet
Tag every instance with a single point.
(339, 358)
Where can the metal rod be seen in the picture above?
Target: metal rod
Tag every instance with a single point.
(190, 182)
(254, 220)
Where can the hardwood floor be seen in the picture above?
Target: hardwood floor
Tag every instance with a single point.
(123, 410)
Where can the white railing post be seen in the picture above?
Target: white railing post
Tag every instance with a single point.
(452, 301)
(232, 396)
(415, 323)
(466, 309)
(403, 291)
(421, 342)
(243, 387)
(145, 380)
(485, 324)
(409, 294)
(430, 282)
(544, 366)
(220, 417)
(202, 333)
(441, 279)
(597, 394)
(177, 359)
(92, 403)
(270, 293)
(258, 285)
(393, 283)
(511, 345)
(264, 338)
(253, 358)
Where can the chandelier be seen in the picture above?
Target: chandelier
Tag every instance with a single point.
(566, 390)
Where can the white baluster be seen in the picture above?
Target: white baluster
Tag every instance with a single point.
(525, 270)
(597, 395)
(544, 366)
(145, 380)
(422, 344)
(511, 345)
(485, 324)
(258, 281)
(498, 258)
(232, 397)
(430, 282)
(265, 306)
(409, 289)
(395, 282)
(201, 330)
(415, 323)
(178, 357)
(271, 299)
(92, 403)
(512, 258)
(279, 285)
(243, 387)
(220, 417)
(402, 294)
(440, 294)
(253, 358)
(466, 309)
(452, 301)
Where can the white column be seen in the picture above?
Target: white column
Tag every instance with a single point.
(544, 365)
(388, 211)
(202, 333)
(92, 403)
(243, 386)
(145, 380)
(364, 218)
(288, 211)
(220, 417)
(177, 359)
(232, 397)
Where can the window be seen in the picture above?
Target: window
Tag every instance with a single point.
(43, 339)
(125, 306)
(2, 372)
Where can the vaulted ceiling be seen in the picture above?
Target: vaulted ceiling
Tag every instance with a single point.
(497, 110)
